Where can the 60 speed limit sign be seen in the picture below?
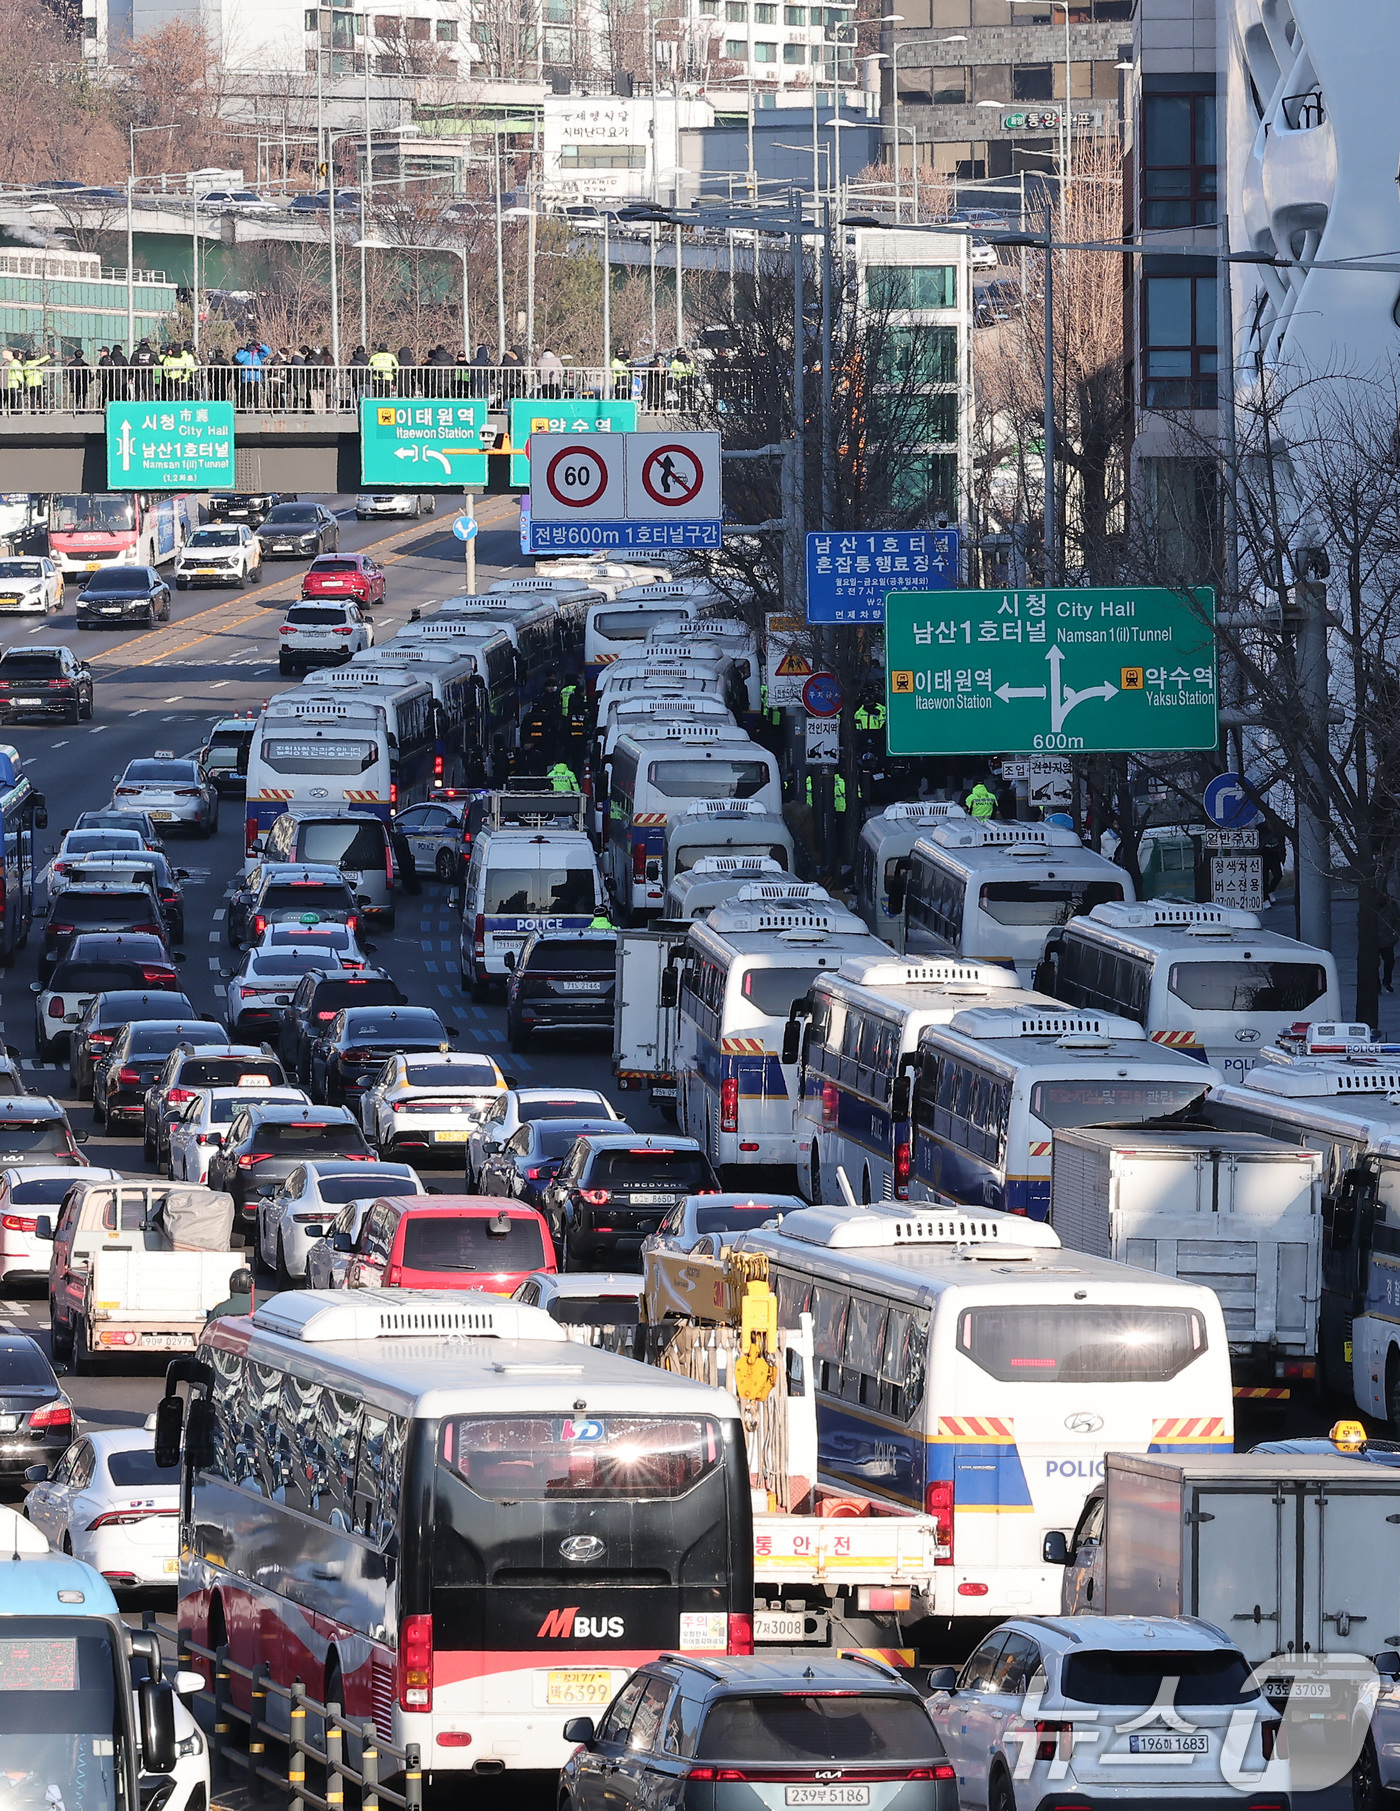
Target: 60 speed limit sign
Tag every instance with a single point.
(575, 479)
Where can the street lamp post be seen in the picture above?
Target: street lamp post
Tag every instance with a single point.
(919, 44)
(457, 251)
(133, 131)
(853, 27)
(1066, 117)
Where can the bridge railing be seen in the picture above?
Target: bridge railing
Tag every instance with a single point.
(286, 389)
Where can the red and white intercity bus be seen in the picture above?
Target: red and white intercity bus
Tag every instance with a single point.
(92, 529)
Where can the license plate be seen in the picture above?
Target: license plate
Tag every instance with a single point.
(779, 1625)
(649, 1200)
(167, 1342)
(170, 1567)
(26, 701)
(1296, 1688)
(8, 1423)
(826, 1795)
(455, 1136)
(111, 610)
(160, 814)
(1168, 1745)
(208, 572)
(577, 987)
(579, 1688)
(667, 1092)
(92, 566)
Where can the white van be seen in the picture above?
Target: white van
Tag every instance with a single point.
(519, 881)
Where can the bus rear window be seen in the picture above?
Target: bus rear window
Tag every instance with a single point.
(1060, 1105)
(630, 625)
(517, 1458)
(319, 757)
(468, 1242)
(1044, 901)
(772, 991)
(1248, 986)
(702, 779)
(1076, 1343)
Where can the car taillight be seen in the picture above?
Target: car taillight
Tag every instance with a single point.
(388, 861)
(154, 977)
(595, 1197)
(416, 1663)
(1053, 1741)
(938, 1503)
(901, 1170)
(55, 929)
(343, 629)
(479, 937)
(357, 1056)
(60, 867)
(393, 795)
(174, 1096)
(530, 1176)
(639, 863)
(247, 1161)
(286, 629)
(185, 792)
(250, 834)
(393, 1276)
(56, 1007)
(99, 1040)
(740, 1635)
(150, 930)
(729, 1104)
(323, 1016)
(53, 1414)
(16, 1223)
(60, 684)
(208, 1137)
(127, 1077)
(437, 768)
(351, 922)
(1275, 1739)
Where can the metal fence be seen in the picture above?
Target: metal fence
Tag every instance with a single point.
(250, 1756)
(276, 388)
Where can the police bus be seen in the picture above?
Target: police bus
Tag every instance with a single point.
(854, 1038)
(314, 748)
(531, 628)
(966, 1367)
(416, 723)
(744, 967)
(994, 1083)
(22, 812)
(1205, 979)
(887, 841)
(992, 892)
(435, 1510)
(663, 701)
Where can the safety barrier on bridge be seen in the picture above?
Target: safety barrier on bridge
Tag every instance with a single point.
(249, 1756)
(300, 389)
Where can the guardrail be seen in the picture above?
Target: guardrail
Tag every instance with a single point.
(274, 388)
(227, 1755)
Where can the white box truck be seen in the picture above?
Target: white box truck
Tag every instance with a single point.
(644, 1025)
(1237, 1212)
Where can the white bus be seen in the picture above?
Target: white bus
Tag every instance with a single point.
(381, 1489)
(616, 628)
(712, 880)
(854, 1039)
(418, 728)
(657, 769)
(693, 678)
(992, 1084)
(317, 749)
(882, 859)
(745, 965)
(664, 701)
(968, 1368)
(992, 892)
(1205, 979)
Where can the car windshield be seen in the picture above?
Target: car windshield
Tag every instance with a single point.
(62, 1735)
(702, 779)
(183, 772)
(357, 1186)
(314, 618)
(468, 1242)
(410, 1024)
(293, 513)
(23, 1366)
(672, 1172)
(531, 890)
(845, 1726)
(21, 569)
(1192, 1677)
(215, 537)
(452, 1075)
(31, 1138)
(304, 1136)
(122, 578)
(343, 842)
(73, 907)
(555, 1141)
(92, 513)
(136, 1469)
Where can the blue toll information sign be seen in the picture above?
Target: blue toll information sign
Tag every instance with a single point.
(850, 572)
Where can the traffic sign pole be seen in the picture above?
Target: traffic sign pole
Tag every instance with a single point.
(471, 546)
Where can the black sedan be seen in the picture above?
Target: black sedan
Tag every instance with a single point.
(529, 1159)
(267, 1140)
(293, 529)
(36, 1418)
(251, 507)
(359, 1041)
(122, 595)
(103, 1020)
(134, 1059)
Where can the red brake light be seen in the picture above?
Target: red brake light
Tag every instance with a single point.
(259, 924)
(125, 1518)
(56, 1007)
(1054, 1741)
(530, 1176)
(17, 1223)
(343, 629)
(175, 1095)
(595, 1197)
(639, 863)
(729, 1104)
(938, 1503)
(740, 1639)
(416, 1663)
(154, 976)
(831, 1102)
(286, 629)
(479, 937)
(247, 1161)
(53, 1414)
(250, 834)
(127, 1077)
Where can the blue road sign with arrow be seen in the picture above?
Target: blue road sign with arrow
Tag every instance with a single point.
(465, 528)
(1228, 804)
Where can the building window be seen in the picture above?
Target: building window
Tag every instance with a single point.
(991, 81)
(736, 11)
(557, 46)
(1179, 342)
(709, 9)
(923, 355)
(447, 31)
(602, 157)
(1178, 160)
(312, 20)
(949, 87)
(794, 53)
(911, 286)
(735, 49)
(794, 15)
(1033, 82)
(764, 14)
(765, 53)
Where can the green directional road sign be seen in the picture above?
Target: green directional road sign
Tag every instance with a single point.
(979, 672)
(407, 443)
(570, 415)
(170, 446)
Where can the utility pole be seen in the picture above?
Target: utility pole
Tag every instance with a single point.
(1311, 566)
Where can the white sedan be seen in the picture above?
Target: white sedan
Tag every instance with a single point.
(199, 1131)
(260, 989)
(31, 585)
(336, 944)
(427, 1106)
(297, 1215)
(509, 1111)
(393, 503)
(110, 1504)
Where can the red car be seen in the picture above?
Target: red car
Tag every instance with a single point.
(344, 575)
(454, 1242)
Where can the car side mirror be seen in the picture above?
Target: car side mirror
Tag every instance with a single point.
(179, 956)
(80, 1137)
(43, 1226)
(580, 1729)
(670, 987)
(38, 1474)
(1054, 1549)
(157, 1712)
(182, 874)
(792, 1040)
(1387, 1664)
(170, 1430)
(342, 1242)
(943, 1679)
(452, 1031)
(36, 987)
(509, 960)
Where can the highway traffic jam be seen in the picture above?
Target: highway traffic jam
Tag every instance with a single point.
(496, 1253)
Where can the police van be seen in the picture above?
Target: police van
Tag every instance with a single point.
(1209, 980)
(523, 878)
(993, 892)
(744, 966)
(882, 858)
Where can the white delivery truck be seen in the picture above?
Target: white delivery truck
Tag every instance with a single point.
(1237, 1212)
(1287, 1552)
(645, 1021)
